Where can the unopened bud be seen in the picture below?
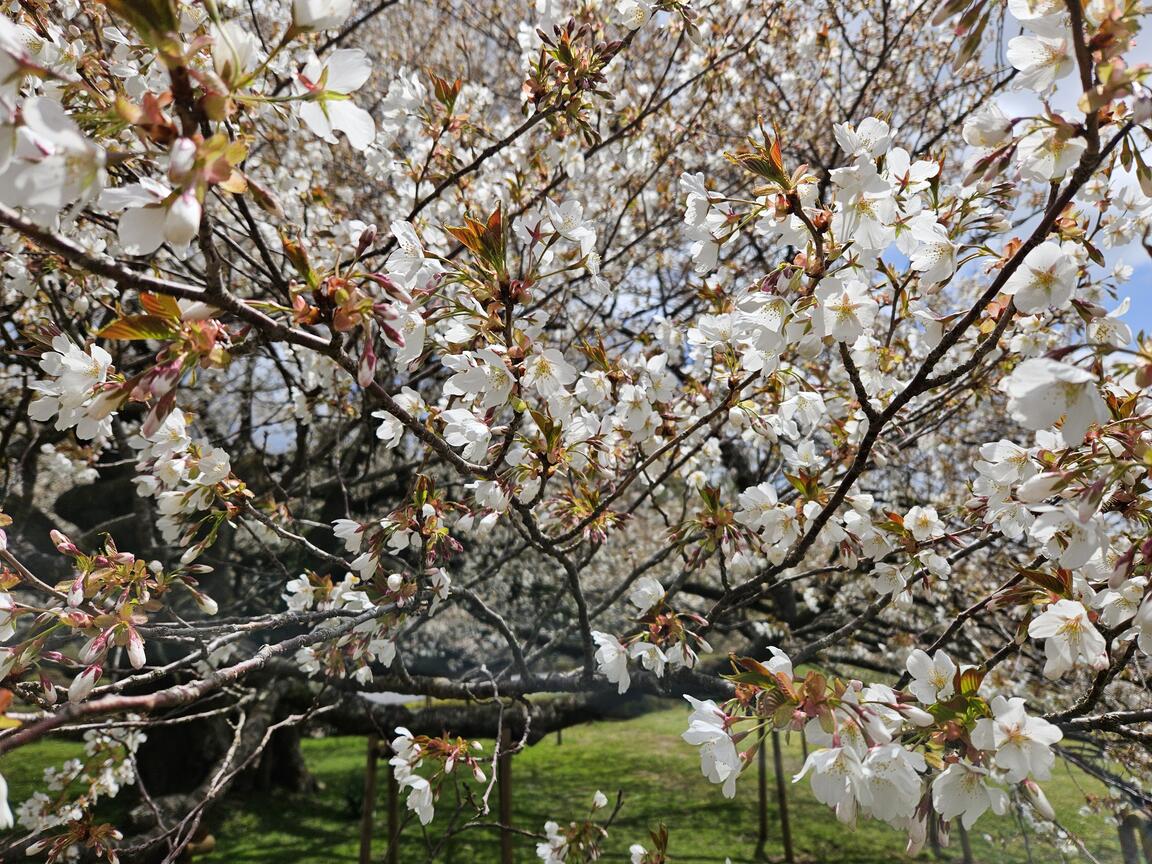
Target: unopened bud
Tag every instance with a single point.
(367, 238)
(83, 683)
(62, 543)
(1038, 799)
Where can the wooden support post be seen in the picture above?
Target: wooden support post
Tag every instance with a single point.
(504, 790)
(368, 805)
(1130, 839)
(762, 798)
(393, 854)
(782, 799)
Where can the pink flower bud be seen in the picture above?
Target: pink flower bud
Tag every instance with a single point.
(393, 335)
(76, 592)
(83, 683)
(94, 648)
(366, 370)
(367, 238)
(62, 543)
(135, 648)
(181, 160)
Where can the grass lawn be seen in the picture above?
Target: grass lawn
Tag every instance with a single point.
(644, 757)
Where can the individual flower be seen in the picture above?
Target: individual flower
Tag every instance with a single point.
(988, 126)
(633, 14)
(934, 256)
(154, 215)
(1109, 329)
(870, 137)
(73, 395)
(646, 593)
(924, 524)
(1040, 60)
(420, 799)
(846, 310)
(548, 372)
(696, 203)
(1048, 153)
(1045, 279)
(54, 166)
(1046, 17)
(650, 657)
(1069, 536)
(1041, 391)
(554, 848)
(235, 51)
(962, 790)
(612, 660)
(1022, 744)
(932, 676)
(6, 820)
(568, 221)
(351, 532)
(328, 107)
(15, 59)
(408, 265)
(865, 207)
(462, 429)
(1069, 637)
(719, 760)
(892, 773)
(838, 780)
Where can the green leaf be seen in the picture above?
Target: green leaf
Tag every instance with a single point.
(970, 680)
(139, 327)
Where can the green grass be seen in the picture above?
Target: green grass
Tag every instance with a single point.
(644, 757)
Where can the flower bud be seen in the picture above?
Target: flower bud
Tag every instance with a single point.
(83, 683)
(205, 603)
(62, 543)
(1038, 488)
(135, 648)
(1038, 799)
(94, 649)
(182, 221)
(181, 160)
(76, 591)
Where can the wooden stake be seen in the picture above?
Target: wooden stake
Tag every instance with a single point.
(393, 854)
(368, 805)
(1130, 839)
(762, 764)
(782, 799)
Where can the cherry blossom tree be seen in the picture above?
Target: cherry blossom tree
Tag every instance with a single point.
(767, 355)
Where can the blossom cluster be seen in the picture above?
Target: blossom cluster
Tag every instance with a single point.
(934, 750)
